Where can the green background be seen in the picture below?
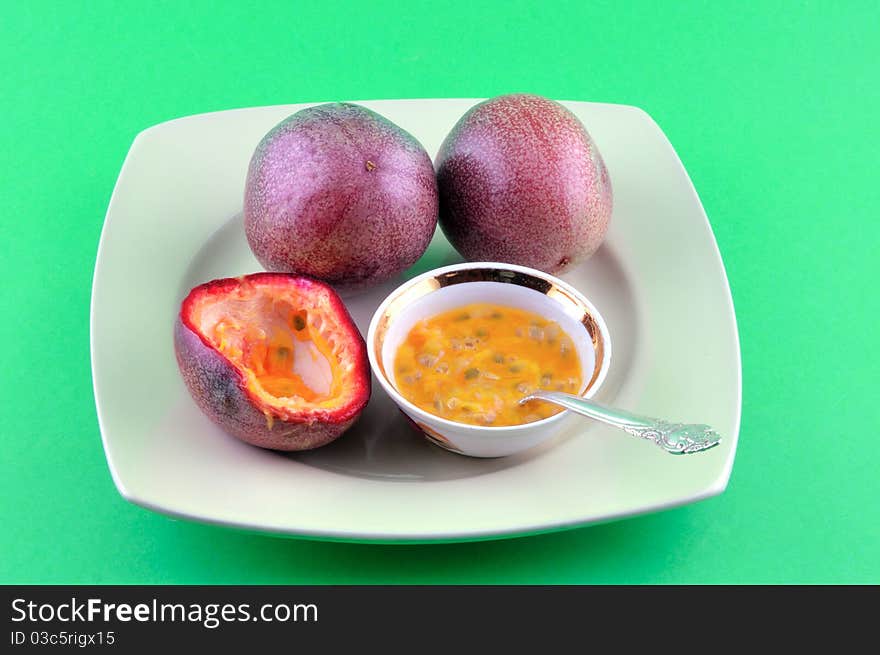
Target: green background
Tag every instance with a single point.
(772, 110)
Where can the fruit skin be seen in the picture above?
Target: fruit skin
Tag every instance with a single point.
(342, 194)
(219, 388)
(521, 181)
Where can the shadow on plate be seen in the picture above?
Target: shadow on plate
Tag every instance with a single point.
(604, 281)
(383, 445)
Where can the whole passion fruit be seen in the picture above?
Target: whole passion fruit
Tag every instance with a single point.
(274, 359)
(521, 181)
(342, 194)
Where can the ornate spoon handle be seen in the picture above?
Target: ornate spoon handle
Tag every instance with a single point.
(674, 438)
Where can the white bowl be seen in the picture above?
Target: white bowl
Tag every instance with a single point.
(444, 289)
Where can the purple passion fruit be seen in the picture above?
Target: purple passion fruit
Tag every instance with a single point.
(521, 181)
(274, 359)
(342, 194)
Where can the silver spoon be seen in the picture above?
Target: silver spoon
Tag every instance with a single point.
(674, 438)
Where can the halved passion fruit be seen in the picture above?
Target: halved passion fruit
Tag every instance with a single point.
(274, 359)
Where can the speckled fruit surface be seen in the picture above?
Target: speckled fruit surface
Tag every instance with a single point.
(521, 181)
(340, 193)
(241, 344)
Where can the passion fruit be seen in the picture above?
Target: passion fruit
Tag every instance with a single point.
(342, 194)
(273, 359)
(521, 181)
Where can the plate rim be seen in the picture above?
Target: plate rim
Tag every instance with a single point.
(405, 538)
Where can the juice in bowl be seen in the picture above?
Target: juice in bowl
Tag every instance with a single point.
(457, 348)
(473, 364)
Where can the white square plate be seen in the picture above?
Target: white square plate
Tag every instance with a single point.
(174, 222)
